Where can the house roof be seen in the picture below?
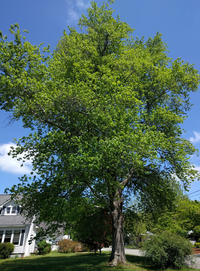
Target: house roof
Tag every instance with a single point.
(13, 220)
(5, 197)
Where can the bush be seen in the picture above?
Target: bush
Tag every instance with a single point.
(6, 249)
(43, 247)
(67, 246)
(196, 231)
(197, 245)
(167, 250)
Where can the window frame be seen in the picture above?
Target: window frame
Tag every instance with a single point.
(21, 235)
(16, 209)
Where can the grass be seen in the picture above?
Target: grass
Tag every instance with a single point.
(56, 261)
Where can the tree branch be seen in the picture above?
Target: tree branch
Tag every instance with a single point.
(128, 177)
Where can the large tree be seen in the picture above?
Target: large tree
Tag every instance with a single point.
(105, 110)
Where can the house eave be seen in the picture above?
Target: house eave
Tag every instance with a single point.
(13, 225)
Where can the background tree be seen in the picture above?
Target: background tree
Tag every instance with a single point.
(183, 217)
(197, 233)
(188, 213)
(135, 224)
(94, 228)
(106, 110)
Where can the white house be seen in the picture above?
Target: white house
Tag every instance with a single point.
(15, 228)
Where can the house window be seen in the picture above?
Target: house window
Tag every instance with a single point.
(13, 210)
(22, 237)
(13, 236)
(7, 236)
(8, 210)
(16, 237)
(1, 236)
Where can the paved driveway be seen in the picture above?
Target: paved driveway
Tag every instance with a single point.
(137, 252)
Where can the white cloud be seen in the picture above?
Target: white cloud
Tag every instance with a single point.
(74, 8)
(197, 168)
(9, 164)
(72, 16)
(82, 4)
(196, 138)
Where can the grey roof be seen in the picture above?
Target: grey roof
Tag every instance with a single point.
(13, 220)
(6, 197)
(3, 198)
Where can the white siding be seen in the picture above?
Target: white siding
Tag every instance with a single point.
(32, 235)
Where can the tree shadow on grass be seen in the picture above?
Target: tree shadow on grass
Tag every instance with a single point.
(64, 262)
(139, 261)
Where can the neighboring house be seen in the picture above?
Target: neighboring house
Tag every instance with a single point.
(15, 228)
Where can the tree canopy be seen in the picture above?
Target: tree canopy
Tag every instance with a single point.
(105, 109)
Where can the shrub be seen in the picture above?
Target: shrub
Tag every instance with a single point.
(167, 250)
(43, 247)
(6, 249)
(196, 231)
(67, 246)
(197, 245)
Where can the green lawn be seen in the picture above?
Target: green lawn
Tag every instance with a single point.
(73, 261)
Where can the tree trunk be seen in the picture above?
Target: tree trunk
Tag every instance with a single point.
(118, 251)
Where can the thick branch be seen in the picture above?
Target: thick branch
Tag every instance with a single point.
(128, 178)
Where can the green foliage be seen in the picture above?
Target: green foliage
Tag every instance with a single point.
(6, 249)
(197, 245)
(43, 247)
(140, 244)
(135, 224)
(94, 228)
(182, 217)
(167, 250)
(188, 213)
(67, 246)
(196, 231)
(106, 111)
(182, 233)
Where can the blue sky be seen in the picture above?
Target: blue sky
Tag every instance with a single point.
(178, 21)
